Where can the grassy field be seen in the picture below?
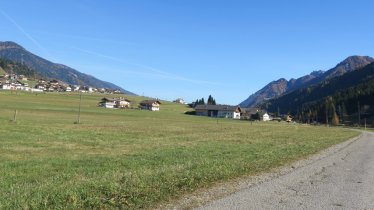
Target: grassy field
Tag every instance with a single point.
(132, 159)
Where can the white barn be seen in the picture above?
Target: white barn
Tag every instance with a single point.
(266, 117)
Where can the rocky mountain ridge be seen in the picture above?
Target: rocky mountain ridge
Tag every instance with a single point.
(282, 86)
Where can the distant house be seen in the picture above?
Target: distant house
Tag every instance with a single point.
(123, 103)
(152, 105)
(248, 113)
(54, 82)
(221, 111)
(266, 117)
(40, 86)
(115, 103)
(288, 118)
(179, 101)
(35, 90)
(22, 77)
(6, 86)
(107, 103)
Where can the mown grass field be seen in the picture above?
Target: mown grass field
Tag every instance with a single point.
(131, 159)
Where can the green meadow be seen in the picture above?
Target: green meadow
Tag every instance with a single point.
(132, 159)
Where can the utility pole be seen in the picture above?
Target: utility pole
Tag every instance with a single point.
(327, 116)
(359, 114)
(79, 110)
(278, 112)
(15, 116)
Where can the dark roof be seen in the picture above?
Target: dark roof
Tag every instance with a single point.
(115, 99)
(216, 107)
(149, 102)
(251, 110)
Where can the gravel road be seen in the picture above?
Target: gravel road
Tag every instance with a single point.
(341, 179)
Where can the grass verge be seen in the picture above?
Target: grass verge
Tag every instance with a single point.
(132, 159)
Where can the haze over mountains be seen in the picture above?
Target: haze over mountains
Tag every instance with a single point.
(282, 86)
(14, 52)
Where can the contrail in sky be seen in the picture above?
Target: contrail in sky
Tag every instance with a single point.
(86, 38)
(155, 72)
(24, 32)
(99, 54)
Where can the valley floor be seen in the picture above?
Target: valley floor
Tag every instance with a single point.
(130, 158)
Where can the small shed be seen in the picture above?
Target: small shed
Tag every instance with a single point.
(266, 117)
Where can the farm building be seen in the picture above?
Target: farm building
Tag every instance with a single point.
(221, 111)
(266, 117)
(152, 105)
(115, 103)
(250, 113)
(179, 101)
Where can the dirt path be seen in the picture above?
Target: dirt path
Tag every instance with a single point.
(341, 177)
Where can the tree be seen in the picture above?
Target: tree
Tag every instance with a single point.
(199, 102)
(331, 111)
(211, 100)
(256, 116)
(335, 119)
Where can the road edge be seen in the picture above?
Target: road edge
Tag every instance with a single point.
(226, 188)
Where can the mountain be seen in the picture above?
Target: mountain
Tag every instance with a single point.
(277, 88)
(282, 86)
(343, 94)
(271, 90)
(8, 66)
(14, 52)
(349, 64)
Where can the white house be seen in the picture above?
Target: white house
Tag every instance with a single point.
(40, 87)
(107, 103)
(115, 103)
(179, 101)
(7, 86)
(266, 117)
(76, 88)
(36, 90)
(221, 111)
(123, 103)
(152, 105)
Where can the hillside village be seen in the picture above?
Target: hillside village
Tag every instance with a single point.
(22, 83)
(124, 103)
(16, 82)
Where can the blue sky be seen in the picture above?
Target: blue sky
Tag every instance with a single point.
(192, 48)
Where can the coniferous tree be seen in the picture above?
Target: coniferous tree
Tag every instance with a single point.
(334, 116)
(211, 100)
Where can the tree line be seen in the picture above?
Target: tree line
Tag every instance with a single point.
(211, 101)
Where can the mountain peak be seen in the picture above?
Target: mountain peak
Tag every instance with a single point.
(349, 64)
(317, 73)
(9, 45)
(355, 61)
(282, 86)
(358, 58)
